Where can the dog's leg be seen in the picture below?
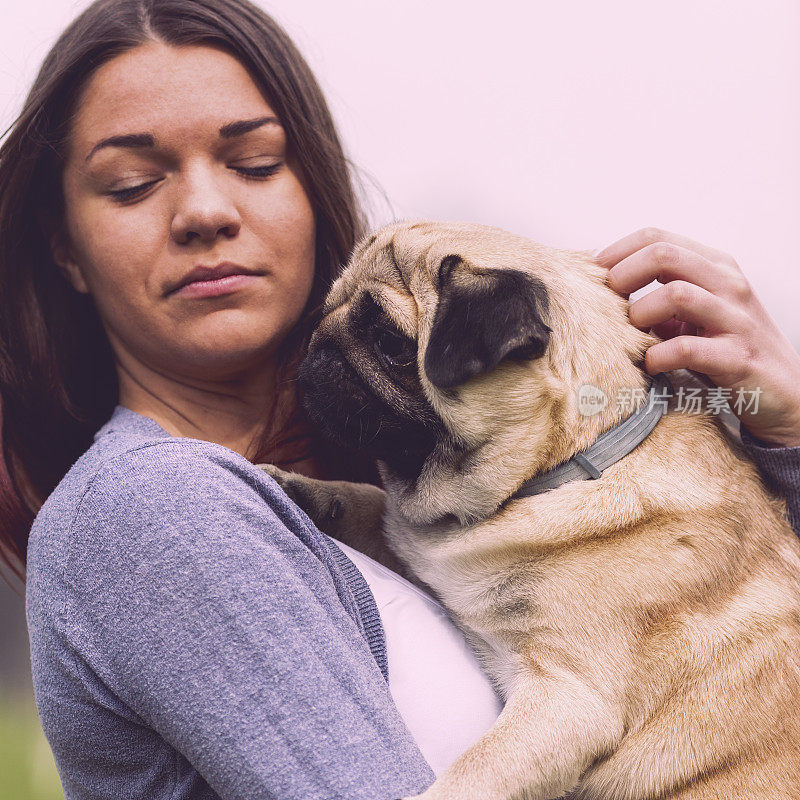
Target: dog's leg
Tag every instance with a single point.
(550, 731)
(349, 512)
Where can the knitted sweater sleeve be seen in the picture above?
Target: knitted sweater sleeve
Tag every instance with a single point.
(780, 469)
(202, 608)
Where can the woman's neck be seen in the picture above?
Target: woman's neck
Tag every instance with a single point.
(231, 412)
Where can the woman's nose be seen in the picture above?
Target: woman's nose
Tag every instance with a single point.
(203, 208)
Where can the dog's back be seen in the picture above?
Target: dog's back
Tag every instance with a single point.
(715, 691)
(673, 586)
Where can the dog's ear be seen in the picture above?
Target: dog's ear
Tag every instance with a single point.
(483, 317)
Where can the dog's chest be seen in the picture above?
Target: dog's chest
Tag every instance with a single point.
(496, 601)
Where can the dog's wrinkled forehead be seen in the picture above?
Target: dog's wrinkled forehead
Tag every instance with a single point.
(381, 258)
(398, 256)
(380, 271)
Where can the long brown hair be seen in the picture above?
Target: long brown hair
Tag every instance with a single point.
(58, 382)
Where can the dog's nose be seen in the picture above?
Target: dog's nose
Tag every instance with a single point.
(322, 362)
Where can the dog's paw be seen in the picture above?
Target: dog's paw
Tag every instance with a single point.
(319, 499)
(281, 476)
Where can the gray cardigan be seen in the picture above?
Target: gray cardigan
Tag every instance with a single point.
(194, 636)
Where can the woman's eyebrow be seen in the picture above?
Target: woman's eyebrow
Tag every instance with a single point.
(124, 140)
(228, 131)
(244, 126)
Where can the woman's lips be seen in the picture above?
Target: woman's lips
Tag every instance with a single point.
(215, 288)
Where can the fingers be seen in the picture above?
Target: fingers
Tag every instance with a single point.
(628, 245)
(719, 358)
(666, 262)
(674, 327)
(711, 322)
(687, 303)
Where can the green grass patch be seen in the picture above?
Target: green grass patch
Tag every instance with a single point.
(27, 770)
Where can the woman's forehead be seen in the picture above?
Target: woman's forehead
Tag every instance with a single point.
(175, 90)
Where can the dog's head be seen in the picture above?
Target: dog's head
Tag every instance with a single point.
(454, 354)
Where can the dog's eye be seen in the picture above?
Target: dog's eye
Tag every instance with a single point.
(397, 350)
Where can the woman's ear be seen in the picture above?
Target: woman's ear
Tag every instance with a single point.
(62, 255)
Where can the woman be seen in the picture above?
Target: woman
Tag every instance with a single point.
(192, 635)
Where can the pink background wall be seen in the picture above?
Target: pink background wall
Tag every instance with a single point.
(573, 122)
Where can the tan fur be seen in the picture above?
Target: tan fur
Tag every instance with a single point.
(643, 628)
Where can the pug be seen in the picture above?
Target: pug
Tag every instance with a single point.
(631, 587)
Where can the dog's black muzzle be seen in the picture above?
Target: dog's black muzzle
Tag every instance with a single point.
(350, 414)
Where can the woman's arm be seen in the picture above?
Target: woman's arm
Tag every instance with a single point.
(780, 468)
(206, 604)
(712, 322)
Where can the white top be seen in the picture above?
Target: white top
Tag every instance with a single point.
(435, 679)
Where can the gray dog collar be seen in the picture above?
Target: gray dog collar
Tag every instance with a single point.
(609, 447)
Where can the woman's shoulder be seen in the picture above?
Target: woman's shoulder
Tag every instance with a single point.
(157, 516)
(136, 484)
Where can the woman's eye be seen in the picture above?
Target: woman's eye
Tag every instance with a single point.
(397, 350)
(132, 191)
(259, 172)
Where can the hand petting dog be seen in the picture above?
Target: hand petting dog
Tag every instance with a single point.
(711, 322)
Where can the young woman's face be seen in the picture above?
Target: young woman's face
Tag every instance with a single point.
(195, 172)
